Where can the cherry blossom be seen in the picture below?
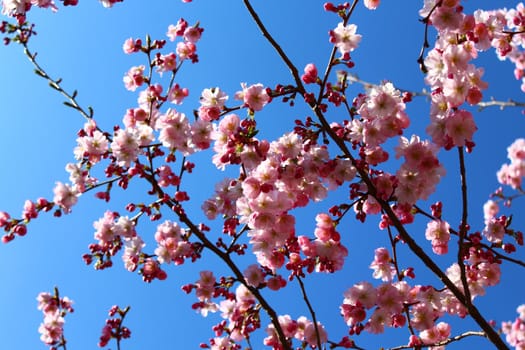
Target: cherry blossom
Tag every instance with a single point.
(344, 37)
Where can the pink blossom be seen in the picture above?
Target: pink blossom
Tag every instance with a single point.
(460, 126)
(438, 232)
(166, 63)
(92, 147)
(134, 78)
(254, 275)
(131, 45)
(516, 151)
(494, 230)
(254, 96)
(515, 331)
(372, 4)
(109, 3)
(490, 209)
(187, 50)
(345, 38)
(177, 30)
(51, 329)
(382, 265)
(177, 94)
(65, 196)
(310, 74)
(125, 146)
(362, 293)
(132, 252)
(445, 18)
(172, 246)
(175, 130)
(192, 34)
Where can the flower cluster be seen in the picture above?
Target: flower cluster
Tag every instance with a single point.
(503, 30)
(515, 331)
(382, 112)
(19, 8)
(54, 309)
(113, 329)
(392, 304)
(453, 79)
(420, 158)
(512, 174)
(301, 329)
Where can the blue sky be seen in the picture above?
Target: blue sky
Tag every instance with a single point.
(83, 45)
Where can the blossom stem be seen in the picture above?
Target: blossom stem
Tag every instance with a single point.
(393, 243)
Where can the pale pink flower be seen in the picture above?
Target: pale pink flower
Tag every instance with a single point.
(438, 232)
(51, 329)
(186, 50)
(177, 30)
(382, 265)
(376, 324)
(91, 146)
(65, 196)
(516, 151)
(125, 146)
(345, 38)
(132, 251)
(494, 230)
(455, 90)
(254, 275)
(14, 7)
(445, 18)
(175, 130)
(372, 4)
(131, 45)
(192, 34)
(384, 100)
(166, 63)
(361, 293)
(460, 126)
(490, 210)
(134, 78)
(254, 96)
(213, 97)
(456, 58)
(177, 94)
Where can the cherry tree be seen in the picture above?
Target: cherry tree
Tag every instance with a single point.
(282, 207)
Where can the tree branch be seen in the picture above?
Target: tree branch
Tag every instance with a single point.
(444, 342)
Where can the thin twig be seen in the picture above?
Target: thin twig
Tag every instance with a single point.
(463, 225)
(442, 343)
(311, 309)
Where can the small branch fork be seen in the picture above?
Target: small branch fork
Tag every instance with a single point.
(224, 256)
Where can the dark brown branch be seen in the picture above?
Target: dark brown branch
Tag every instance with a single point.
(224, 256)
(311, 309)
(463, 225)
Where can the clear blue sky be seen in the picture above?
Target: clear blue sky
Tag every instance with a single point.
(83, 45)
